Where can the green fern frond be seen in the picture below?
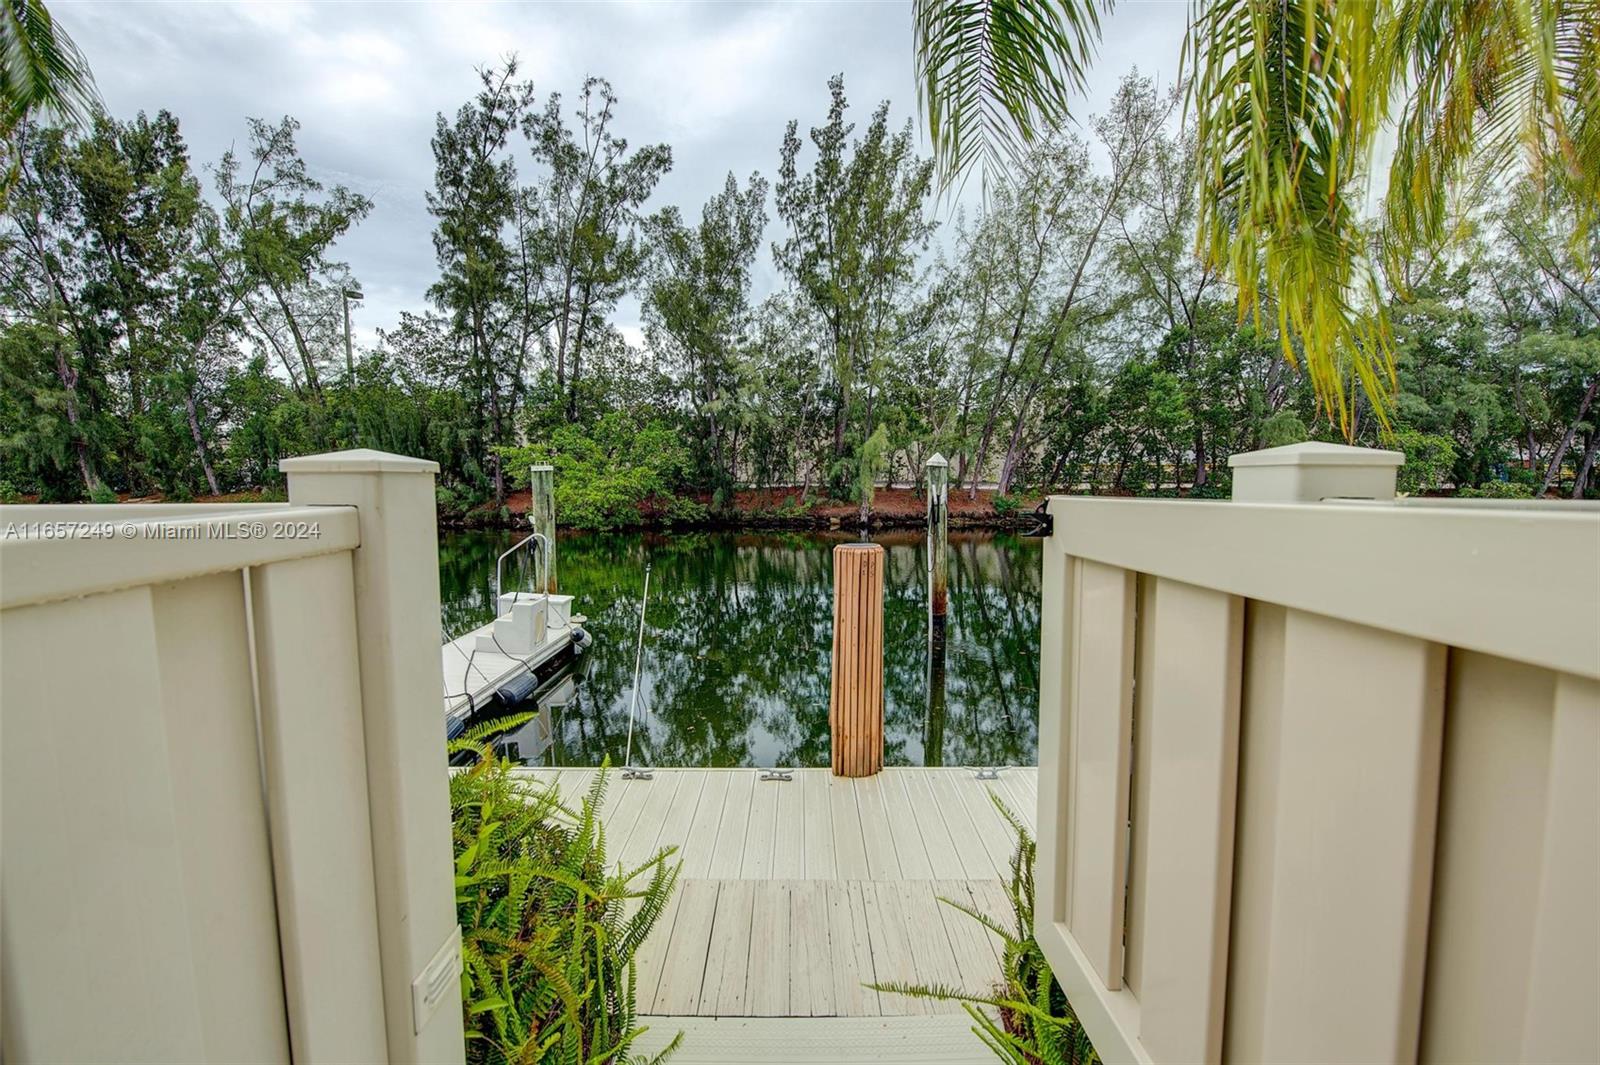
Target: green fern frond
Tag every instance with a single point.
(548, 933)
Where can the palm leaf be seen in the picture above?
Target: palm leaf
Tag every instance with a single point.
(1288, 99)
(41, 70)
(993, 73)
(1489, 81)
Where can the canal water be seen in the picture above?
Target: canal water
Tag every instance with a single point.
(738, 639)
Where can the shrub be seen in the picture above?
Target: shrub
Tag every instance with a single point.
(1037, 1024)
(102, 494)
(1429, 460)
(1005, 506)
(457, 500)
(607, 472)
(9, 493)
(683, 510)
(1498, 490)
(548, 934)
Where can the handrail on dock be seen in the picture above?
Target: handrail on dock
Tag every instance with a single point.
(544, 558)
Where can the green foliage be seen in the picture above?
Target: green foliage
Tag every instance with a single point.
(1284, 427)
(1429, 459)
(682, 510)
(605, 474)
(990, 75)
(458, 500)
(697, 305)
(1291, 101)
(159, 340)
(1497, 490)
(1005, 506)
(871, 461)
(101, 494)
(549, 933)
(857, 224)
(1037, 1025)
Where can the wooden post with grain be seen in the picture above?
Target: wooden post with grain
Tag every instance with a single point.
(855, 712)
(542, 515)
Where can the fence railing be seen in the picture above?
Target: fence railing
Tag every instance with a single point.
(222, 779)
(1320, 780)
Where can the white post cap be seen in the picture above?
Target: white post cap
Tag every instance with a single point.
(1306, 473)
(938, 460)
(357, 460)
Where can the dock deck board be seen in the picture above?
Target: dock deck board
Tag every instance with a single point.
(946, 1040)
(796, 893)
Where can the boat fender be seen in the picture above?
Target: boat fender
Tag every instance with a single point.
(517, 689)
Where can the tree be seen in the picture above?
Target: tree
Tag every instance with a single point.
(109, 230)
(475, 200)
(588, 211)
(278, 228)
(1171, 287)
(1551, 267)
(856, 225)
(697, 306)
(1289, 100)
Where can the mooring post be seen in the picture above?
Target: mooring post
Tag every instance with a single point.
(855, 711)
(933, 724)
(938, 532)
(542, 513)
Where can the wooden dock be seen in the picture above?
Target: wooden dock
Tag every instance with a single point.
(794, 894)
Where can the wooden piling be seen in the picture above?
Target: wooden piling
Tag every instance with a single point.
(542, 514)
(855, 711)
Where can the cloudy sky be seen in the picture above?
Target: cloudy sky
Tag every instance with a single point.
(717, 81)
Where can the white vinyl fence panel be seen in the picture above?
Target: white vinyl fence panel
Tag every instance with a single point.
(1318, 780)
(190, 863)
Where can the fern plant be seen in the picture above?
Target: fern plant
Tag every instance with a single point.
(548, 930)
(1037, 1025)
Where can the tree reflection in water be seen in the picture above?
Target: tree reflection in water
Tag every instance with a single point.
(739, 637)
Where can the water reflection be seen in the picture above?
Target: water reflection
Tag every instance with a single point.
(739, 636)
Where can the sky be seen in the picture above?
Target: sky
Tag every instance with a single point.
(716, 81)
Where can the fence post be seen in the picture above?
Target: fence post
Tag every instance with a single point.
(1310, 472)
(855, 713)
(1339, 717)
(397, 625)
(542, 513)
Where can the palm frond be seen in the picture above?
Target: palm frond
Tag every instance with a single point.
(1288, 99)
(41, 70)
(1489, 80)
(991, 74)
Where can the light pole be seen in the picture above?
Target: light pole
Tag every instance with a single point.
(938, 533)
(349, 357)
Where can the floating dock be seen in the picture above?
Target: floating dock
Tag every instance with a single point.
(794, 893)
(475, 678)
